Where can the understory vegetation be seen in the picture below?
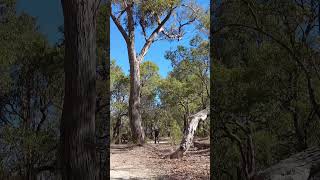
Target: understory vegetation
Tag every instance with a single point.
(265, 84)
(31, 96)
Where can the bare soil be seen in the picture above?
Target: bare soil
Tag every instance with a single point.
(147, 162)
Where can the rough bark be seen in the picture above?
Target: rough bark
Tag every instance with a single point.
(302, 166)
(78, 156)
(189, 134)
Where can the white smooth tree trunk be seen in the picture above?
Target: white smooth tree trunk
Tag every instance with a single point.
(189, 133)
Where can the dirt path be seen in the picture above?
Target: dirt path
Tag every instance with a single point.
(135, 162)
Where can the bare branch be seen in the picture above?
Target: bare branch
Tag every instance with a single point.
(143, 27)
(153, 35)
(178, 33)
(119, 26)
(121, 13)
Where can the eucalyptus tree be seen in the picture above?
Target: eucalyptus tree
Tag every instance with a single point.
(157, 19)
(185, 91)
(265, 83)
(191, 73)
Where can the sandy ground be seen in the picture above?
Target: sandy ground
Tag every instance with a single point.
(136, 162)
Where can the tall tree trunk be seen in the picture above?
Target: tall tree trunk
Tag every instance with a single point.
(189, 134)
(78, 156)
(134, 60)
(134, 98)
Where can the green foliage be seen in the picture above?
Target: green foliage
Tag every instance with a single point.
(31, 93)
(166, 102)
(186, 90)
(26, 141)
(119, 88)
(159, 7)
(15, 34)
(204, 17)
(175, 132)
(260, 91)
(150, 78)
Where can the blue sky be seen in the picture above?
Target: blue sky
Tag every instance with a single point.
(49, 17)
(48, 13)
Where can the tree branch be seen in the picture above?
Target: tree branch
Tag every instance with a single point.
(179, 34)
(119, 26)
(153, 35)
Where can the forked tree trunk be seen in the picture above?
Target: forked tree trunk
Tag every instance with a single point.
(78, 156)
(128, 34)
(189, 134)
